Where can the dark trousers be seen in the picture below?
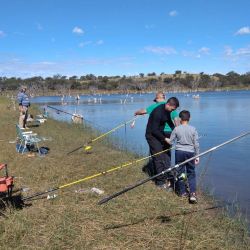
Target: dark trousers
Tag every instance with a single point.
(160, 162)
(189, 169)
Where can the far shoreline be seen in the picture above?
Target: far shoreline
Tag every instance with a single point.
(13, 93)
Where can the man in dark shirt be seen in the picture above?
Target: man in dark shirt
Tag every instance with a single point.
(156, 138)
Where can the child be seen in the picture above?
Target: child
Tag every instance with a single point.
(187, 146)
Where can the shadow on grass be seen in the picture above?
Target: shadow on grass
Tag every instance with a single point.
(14, 202)
(161, 218)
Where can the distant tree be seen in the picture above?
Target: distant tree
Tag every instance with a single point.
(105, 79)
(168, 80)
(152, 74)
(178, 72)
(73, 78)
(141, 75)
(82, 78)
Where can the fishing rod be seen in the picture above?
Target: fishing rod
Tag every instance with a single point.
(88, 147)
(95, 175)
(62, 111)
(126, 189)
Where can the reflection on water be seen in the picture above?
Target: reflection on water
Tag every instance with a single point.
(219, 115)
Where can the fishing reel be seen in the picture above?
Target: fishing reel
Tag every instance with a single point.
(88, 148)
(178, 176)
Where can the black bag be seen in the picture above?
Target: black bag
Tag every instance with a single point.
(44, 150)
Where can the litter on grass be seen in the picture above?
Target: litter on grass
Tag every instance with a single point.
(90, 190)
(51, 196)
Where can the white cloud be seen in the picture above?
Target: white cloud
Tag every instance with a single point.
(243, 51)
(228, 51)
(173, 13)
(243, 31)
(196, 54)
(2, 34)
(204, 50)
(78, 30)
(14, 67)
(160, 50)
(237, 54)
(46, 63)
(83, 44)
(99, 42)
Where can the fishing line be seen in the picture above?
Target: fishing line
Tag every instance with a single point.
(87, 146)
(95, 175)
(141, 182)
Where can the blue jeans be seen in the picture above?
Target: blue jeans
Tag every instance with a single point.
(188, 168)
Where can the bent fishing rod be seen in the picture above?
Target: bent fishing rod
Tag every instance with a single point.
(87, 145)
(95, 175)
(126, 189)
(62, 111)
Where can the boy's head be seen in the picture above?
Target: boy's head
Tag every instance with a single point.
(172, 104)
(184, 115)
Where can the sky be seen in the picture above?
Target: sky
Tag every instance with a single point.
(123, 37)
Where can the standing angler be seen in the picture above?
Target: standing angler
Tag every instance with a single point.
(156, 137)
(24, 103)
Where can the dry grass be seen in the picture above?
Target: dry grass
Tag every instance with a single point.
(145, 218)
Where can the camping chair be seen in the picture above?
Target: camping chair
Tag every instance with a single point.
(27, 138)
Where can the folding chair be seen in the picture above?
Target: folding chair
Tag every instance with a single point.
(27, 138)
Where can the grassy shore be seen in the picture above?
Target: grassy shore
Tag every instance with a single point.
(145, 218)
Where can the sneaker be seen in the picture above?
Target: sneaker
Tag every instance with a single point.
(193, 198)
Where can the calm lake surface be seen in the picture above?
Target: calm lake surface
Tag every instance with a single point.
(218, 117)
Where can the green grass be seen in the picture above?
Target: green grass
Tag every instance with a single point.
(144, 218)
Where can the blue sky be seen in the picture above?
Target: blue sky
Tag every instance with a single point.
(123, 37)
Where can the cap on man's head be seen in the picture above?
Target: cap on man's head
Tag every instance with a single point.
(159, 95)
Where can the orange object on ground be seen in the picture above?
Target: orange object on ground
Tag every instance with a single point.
(6, 182)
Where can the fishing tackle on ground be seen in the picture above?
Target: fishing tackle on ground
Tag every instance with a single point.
(108, 198)
(94, 175)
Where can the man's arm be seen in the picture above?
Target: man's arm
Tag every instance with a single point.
(156, 122)
(175, 118)
(141, 112)
(176, 121)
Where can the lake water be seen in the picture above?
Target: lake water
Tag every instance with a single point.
(218, 117)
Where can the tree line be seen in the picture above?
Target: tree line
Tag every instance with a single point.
(179, 81)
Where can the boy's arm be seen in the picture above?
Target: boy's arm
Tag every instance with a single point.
(196, 146)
